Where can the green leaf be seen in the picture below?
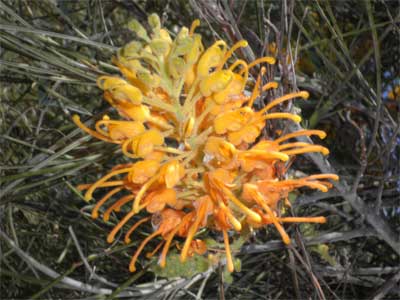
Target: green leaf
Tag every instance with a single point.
(292, 197)
(228, 278)
(175, 268)
(238, 243)
(211, 243)
(237, 263)
(308, 229)
(323, 251)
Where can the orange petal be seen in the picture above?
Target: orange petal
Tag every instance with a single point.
(233, 120)
(211, 58)
(143, 170)
(170, 219)
(216, 82)
(199, 246)
(171, 173)
(127, 92)
(235, 87)
(220, 149)
(247, 134)
(109, 82)
(158, 199)
(125, 130)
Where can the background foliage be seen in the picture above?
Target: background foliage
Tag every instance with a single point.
(346, 53)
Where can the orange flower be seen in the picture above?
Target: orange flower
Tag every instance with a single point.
(199, 157)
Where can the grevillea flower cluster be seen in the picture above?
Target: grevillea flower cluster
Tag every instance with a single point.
(199, 160)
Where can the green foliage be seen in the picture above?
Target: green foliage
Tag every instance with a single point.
(175, 268)
(323, 251)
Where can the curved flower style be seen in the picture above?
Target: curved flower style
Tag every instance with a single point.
(199, 157)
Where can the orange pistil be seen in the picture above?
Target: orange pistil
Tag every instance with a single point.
(111, 235)
(288, 136)
(155, 250)
(229, 261)
(117, 206)
(253, 191)
(95, 211)
(127, 239)
(287, 97)
(93, 133)
(201, 213)
(82, 187)
(132, 267)
(101, 181)
(255, 92)
(166, 247)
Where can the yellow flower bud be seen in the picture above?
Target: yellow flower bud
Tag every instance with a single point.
(125, 130)
(216, 82)
(127, 92)
(211, 58)
(143, 144)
